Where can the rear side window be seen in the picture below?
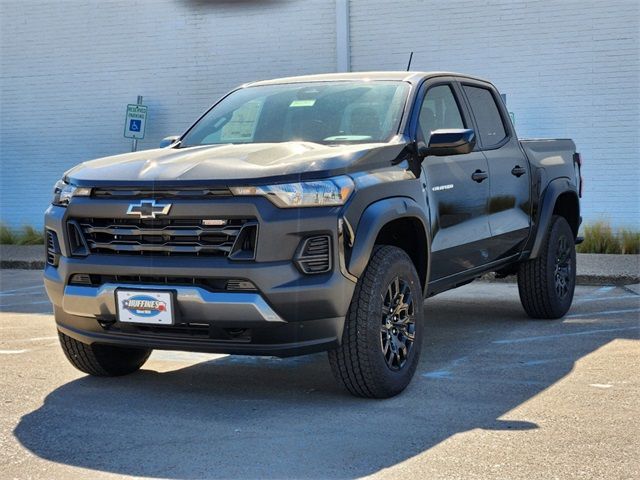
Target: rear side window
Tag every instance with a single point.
(490, 125)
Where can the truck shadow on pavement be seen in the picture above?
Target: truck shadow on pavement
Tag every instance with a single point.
(238, 417)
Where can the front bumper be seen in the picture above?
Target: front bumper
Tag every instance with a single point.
(289, 313)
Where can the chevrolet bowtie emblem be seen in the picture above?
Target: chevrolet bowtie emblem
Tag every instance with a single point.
(148, 209)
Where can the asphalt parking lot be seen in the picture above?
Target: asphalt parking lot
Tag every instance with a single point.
(496, 395)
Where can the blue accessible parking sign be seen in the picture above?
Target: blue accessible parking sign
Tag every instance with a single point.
(134, 125)
(135, 121)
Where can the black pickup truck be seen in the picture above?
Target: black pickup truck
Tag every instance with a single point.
(306, 214)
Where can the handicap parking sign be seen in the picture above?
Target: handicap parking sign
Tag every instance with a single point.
(135, 121)
(134, 125)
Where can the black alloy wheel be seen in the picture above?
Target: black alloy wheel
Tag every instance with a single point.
(563, 273)
(398, 330)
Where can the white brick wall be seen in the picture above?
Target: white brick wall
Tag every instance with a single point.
(569, 69)
(68, 68)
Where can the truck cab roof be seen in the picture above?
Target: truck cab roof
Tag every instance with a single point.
(411, 77)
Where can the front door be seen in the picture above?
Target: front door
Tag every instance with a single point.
(457, 189)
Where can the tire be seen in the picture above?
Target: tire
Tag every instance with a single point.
(372, 360)
(546, 283)
(102, 360)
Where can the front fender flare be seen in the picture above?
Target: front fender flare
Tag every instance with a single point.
(376, 216)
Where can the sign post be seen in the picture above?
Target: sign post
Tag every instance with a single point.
(135, 122)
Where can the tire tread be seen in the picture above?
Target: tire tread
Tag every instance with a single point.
(92, 360)
(534, 280)
(350, 362)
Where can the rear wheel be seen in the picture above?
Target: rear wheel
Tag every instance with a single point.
(102, 360)
(382, 336)
(546, 283)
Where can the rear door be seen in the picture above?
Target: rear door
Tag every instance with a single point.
(509, 203)
(459, 223)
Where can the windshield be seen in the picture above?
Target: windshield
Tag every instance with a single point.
(322, 112)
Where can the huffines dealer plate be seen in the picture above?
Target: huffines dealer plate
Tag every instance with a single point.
(145, 306)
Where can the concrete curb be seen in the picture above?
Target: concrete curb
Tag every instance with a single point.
(28, 257)
(593, 269)
(21, 264)
(618, 280)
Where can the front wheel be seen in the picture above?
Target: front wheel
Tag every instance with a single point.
(382, 336)
(102, 360)
(546, 283)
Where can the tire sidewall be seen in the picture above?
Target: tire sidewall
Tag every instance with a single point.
(395, 262)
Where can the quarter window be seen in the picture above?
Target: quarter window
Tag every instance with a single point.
(439, 110)
(490, 126)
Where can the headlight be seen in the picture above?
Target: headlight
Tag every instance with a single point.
(317, 193)
(63, 191)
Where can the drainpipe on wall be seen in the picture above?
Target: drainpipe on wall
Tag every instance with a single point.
(343, 53)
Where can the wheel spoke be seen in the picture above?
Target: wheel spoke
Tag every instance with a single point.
(397, 338)
(407, 334)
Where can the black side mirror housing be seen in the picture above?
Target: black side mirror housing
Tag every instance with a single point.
(167, 141)
(444, 142)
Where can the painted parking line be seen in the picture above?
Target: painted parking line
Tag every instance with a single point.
(571, 334)
(603, 299)
(33, 339)
(606, 312)
(20, 304)
(446, 375)
(12, 352)
(606, 288)
(16, 291)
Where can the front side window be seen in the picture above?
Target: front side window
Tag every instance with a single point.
(439, 111)
(485, 110)
(322, 112)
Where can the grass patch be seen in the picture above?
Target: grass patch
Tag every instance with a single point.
(27, 235)
(629, 241)
(599, 237)
(7, 237)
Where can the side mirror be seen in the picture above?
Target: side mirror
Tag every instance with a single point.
(169, 141)
(445, 142)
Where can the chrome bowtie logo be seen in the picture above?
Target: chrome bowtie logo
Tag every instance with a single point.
(148, 209)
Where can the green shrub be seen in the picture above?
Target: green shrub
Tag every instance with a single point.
(26, 236)
(629, 241)
(30, 236)
(7, 237)
(599, 237)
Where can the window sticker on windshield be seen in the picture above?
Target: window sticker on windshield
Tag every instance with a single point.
(303, 103)
(242, 125)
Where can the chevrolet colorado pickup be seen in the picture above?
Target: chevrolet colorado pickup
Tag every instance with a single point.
(307, 214)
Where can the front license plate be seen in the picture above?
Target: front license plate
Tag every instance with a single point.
(145, 306)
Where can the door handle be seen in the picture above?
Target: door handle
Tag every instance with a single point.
(518, 171)
(479, 176)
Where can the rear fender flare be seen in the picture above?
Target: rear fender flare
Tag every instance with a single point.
(555, 188)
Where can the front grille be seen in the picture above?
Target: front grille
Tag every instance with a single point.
(133, 193)
(184, 330)
(211, 284)
(315, 255)
(163, 237)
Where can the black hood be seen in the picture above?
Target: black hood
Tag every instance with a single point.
(234, 164)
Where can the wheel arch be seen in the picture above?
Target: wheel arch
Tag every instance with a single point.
(560, 198)
(399, 222)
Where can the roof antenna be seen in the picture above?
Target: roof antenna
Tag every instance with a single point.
(409, 64)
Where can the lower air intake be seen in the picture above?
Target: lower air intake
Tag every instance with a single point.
(315, 255)
(53, 248)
